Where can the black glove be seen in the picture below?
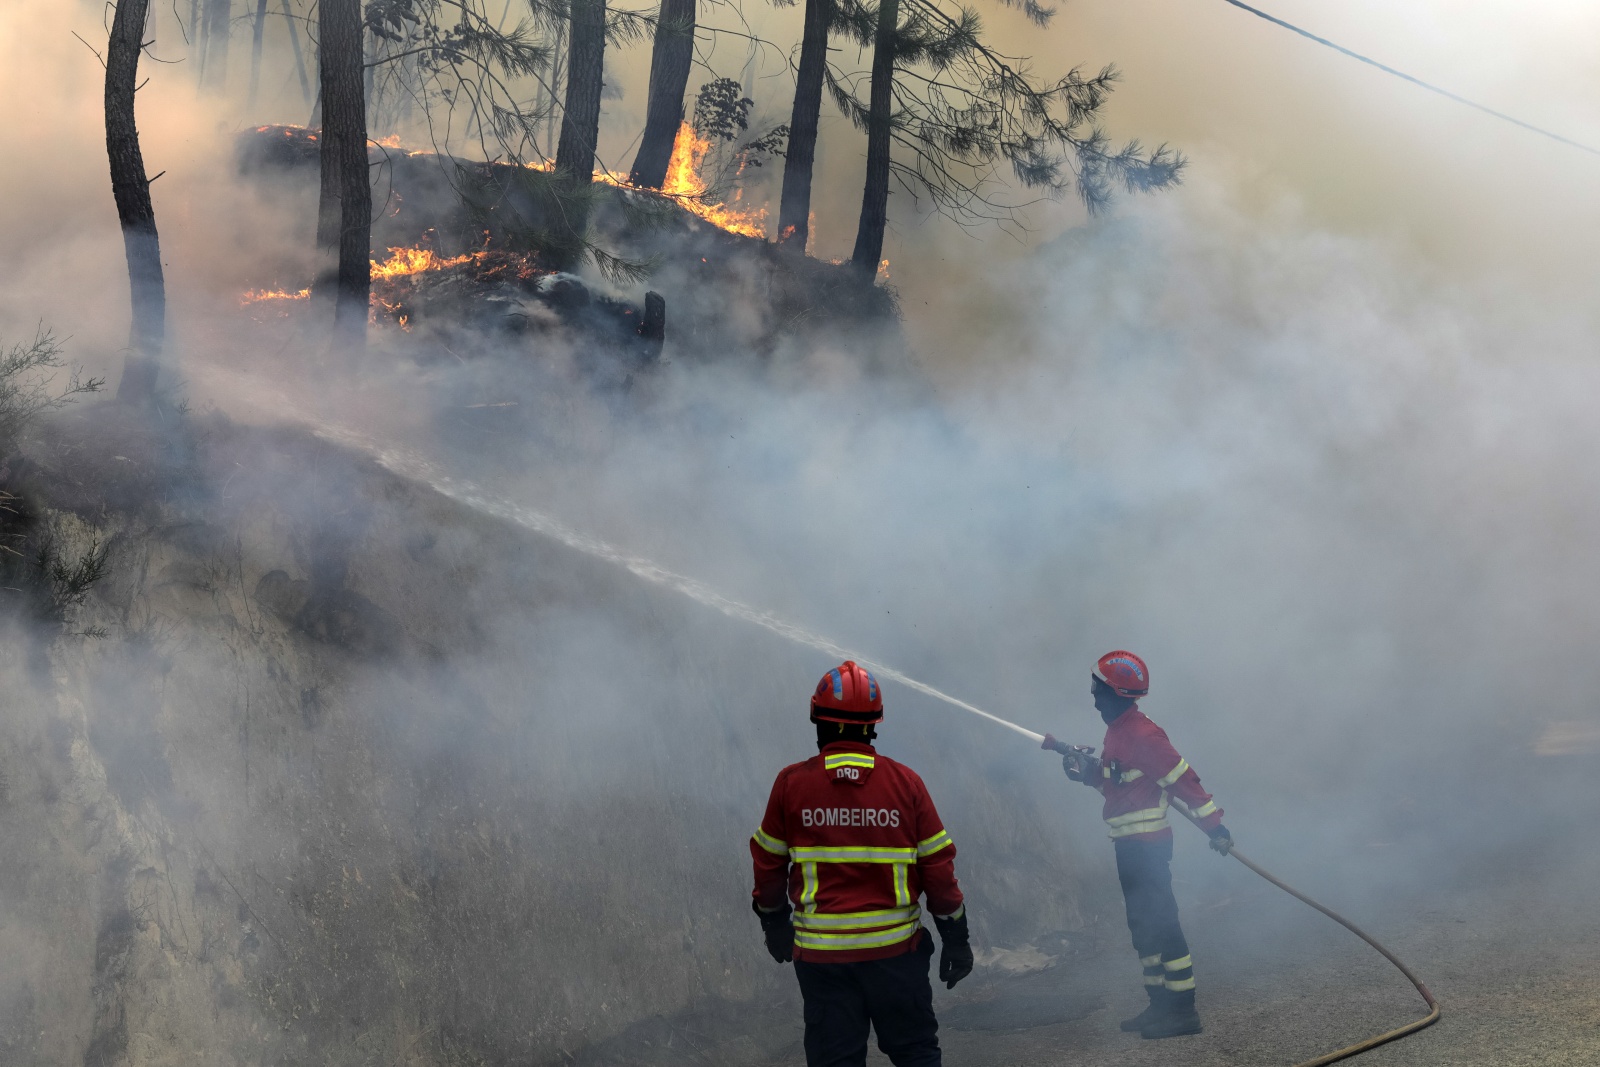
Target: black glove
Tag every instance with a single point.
(955, 959)
(1078, 761)
(1221, 840)
(778, 931)
(1081, 767)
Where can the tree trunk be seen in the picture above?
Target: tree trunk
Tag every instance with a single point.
(219, 23)
(299, 57)
(135, 211)
(255, 50)
(670, 60)
(794, 208)
(344, 210)
(880, 130)
(580, 122)
(197, 43)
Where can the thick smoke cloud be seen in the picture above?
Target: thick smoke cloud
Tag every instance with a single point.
(1313, 434)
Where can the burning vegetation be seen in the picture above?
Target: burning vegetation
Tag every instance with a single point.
(687, 184)
(461, 251)
(462, 248)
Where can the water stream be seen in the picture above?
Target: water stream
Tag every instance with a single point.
(415, 468)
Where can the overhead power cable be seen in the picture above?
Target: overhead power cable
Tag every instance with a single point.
(1308, 35)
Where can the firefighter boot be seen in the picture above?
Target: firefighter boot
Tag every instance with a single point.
(1177, 1017)
(1152, 1011)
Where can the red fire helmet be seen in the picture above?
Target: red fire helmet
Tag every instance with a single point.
(848, 693)
(1124, 672)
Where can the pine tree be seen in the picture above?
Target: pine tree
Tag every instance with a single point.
(954, 110)
(794, 206)
(670, 60)
(135, 210)
(344, 216)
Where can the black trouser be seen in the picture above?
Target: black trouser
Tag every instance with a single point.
(1145, 870)
(893, 995)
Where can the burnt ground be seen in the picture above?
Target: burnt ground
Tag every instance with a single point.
(1506, 941)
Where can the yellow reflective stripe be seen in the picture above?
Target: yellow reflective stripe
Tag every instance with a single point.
(933, 844)
(770, 843)
(954, 914)
(902, 889)
(1150, 961)
(1142, 815)
(808, 886)
(1208, 808)
(1131, 776)
(1174, 774)
(854, 920)
(1180, 986)
(1179, 963)
(1154, 979)
(848, 759)
(822, 854)
(1139, 828)
(839, 942)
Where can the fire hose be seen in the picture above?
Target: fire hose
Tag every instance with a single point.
(652, 572)
(1371, 1042)
(1338, 1054)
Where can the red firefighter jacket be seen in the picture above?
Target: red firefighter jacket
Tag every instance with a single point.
(1141, 774)
(853, 838)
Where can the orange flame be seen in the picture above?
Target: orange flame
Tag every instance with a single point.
(261, 296)
(685, 185)
(689, 153)
(407, 261)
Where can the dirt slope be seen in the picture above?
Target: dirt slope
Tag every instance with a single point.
(360, 776)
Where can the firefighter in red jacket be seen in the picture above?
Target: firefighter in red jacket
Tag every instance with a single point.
(1140, 775)
(848, 844)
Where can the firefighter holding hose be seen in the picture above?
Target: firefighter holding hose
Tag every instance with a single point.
(1140, 775)
(850, 841)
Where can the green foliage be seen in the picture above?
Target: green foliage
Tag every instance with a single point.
(451, 61)
(64, 578)
(28, 389)
(963, 111)
(49, 580)
(722, 116)
(770, 145)
(721, 111)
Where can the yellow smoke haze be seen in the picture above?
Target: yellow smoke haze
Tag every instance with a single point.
(1277, 129)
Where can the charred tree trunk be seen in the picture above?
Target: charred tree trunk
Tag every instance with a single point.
(219, 19)
(670, 60)
(135, 211)
(580, 122)
(794, 209)
(880, 133)
(255, 50)
(344, 210)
